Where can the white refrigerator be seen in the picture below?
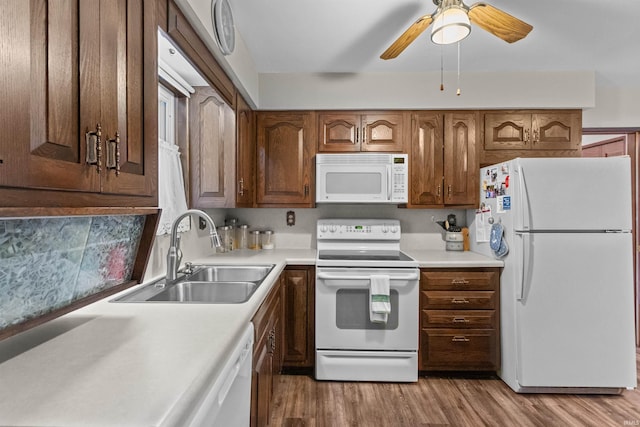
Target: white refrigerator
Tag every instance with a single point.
(567, 297)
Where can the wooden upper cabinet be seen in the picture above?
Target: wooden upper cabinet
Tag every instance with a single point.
(426, 160)
(361, 131)
(530, 133)
(285, 150)
(460, 159)
(556, 131)
(245, 154)
(507, 131)
(92, 64)
(212, 145)
(443, 163)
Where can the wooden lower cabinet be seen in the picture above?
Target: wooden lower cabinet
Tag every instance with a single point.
(299, 309)
(267, 354)
(459, 319)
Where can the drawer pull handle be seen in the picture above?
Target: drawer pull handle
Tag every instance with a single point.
(460, 301)
(460, 320)
(459, 338)
(459, 282)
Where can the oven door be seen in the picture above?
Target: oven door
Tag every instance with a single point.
(342, 310)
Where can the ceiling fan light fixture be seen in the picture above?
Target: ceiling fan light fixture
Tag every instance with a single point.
(450, 26)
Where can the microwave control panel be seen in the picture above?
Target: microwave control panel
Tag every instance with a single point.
(400, 179)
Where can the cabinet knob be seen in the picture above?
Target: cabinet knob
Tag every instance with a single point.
(459, 301)
(460, 320)
(459, 282)
(241, 186)
(459, 338)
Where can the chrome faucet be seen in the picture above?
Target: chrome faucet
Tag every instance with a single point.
(174, 255)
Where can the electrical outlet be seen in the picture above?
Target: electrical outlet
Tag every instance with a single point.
(291, 218)
(202, 224)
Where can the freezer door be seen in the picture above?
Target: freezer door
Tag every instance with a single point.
(575, 321)
(571, 194)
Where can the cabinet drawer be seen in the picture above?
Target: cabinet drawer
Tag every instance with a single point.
(479, 319)
(446, 349)
(459, 300)
(459, 279)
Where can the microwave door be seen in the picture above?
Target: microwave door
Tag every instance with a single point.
(354, 183)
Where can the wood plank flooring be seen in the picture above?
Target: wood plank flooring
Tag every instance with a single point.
(299, 400)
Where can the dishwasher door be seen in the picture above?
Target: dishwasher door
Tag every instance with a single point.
(228, 401)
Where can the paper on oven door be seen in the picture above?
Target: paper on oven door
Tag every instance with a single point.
(379, 302)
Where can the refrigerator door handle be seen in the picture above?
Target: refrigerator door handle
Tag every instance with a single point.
(523, 201)
(524, 266)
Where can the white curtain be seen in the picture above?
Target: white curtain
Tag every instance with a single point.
(171, 197)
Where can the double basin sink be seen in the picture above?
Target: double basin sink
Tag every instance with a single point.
(205, 284)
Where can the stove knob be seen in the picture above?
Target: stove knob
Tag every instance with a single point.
(323, 228)
(394, 228)
(333, 228)
(385, 228)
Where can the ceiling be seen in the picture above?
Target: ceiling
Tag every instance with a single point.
(348, 36)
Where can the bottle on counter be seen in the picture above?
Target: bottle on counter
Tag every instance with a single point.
(267, 239)
(254, 239)
(242, 236)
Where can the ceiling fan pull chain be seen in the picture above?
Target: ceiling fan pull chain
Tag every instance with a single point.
(458, 91)
(441, 69)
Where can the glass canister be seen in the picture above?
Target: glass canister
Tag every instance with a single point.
(242, 236)
(254, 239)
(224, 238)
(267, 239)
(232, 223)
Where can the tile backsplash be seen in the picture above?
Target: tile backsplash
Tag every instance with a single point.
(49, 262)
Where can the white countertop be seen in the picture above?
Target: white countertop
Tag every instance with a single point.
(139, 364)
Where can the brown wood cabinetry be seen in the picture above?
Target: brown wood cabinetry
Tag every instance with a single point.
(212, 150)
(530, 133)
(459, 319)
(299, 309)
(245, 154)
(285, 150)
(267, 355)
(443, 159)
(92, 68)
(361, 131)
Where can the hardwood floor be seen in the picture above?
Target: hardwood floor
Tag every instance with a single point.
(299, 400)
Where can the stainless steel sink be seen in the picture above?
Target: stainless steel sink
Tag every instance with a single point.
(207, 284)
(229, 273)
(207, 292)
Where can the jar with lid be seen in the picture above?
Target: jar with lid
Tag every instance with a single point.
(242, 236)
(254, 239)
(232, 223)
(267, 239)
(226, 240)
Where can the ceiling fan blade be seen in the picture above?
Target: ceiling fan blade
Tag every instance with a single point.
(407, 37)
(498, 23)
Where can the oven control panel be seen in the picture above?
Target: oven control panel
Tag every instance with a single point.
(358, 229)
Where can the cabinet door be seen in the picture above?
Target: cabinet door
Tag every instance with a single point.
(507, 131)
(460, 159)
(338, 132)
(128, 81)
(261, 383)
(89, 62)
(427, 159)
(43, 74)
(382, 132)
(299, 317)
(246, 155)
(285, 147)
(556, 131)
(211, 142)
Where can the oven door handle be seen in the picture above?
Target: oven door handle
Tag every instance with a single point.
(328, 276)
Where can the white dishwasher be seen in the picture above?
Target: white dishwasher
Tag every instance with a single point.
(228, 400)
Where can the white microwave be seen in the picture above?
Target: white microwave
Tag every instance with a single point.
(362, 178)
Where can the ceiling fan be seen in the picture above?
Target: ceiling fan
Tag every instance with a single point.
(452, 21)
